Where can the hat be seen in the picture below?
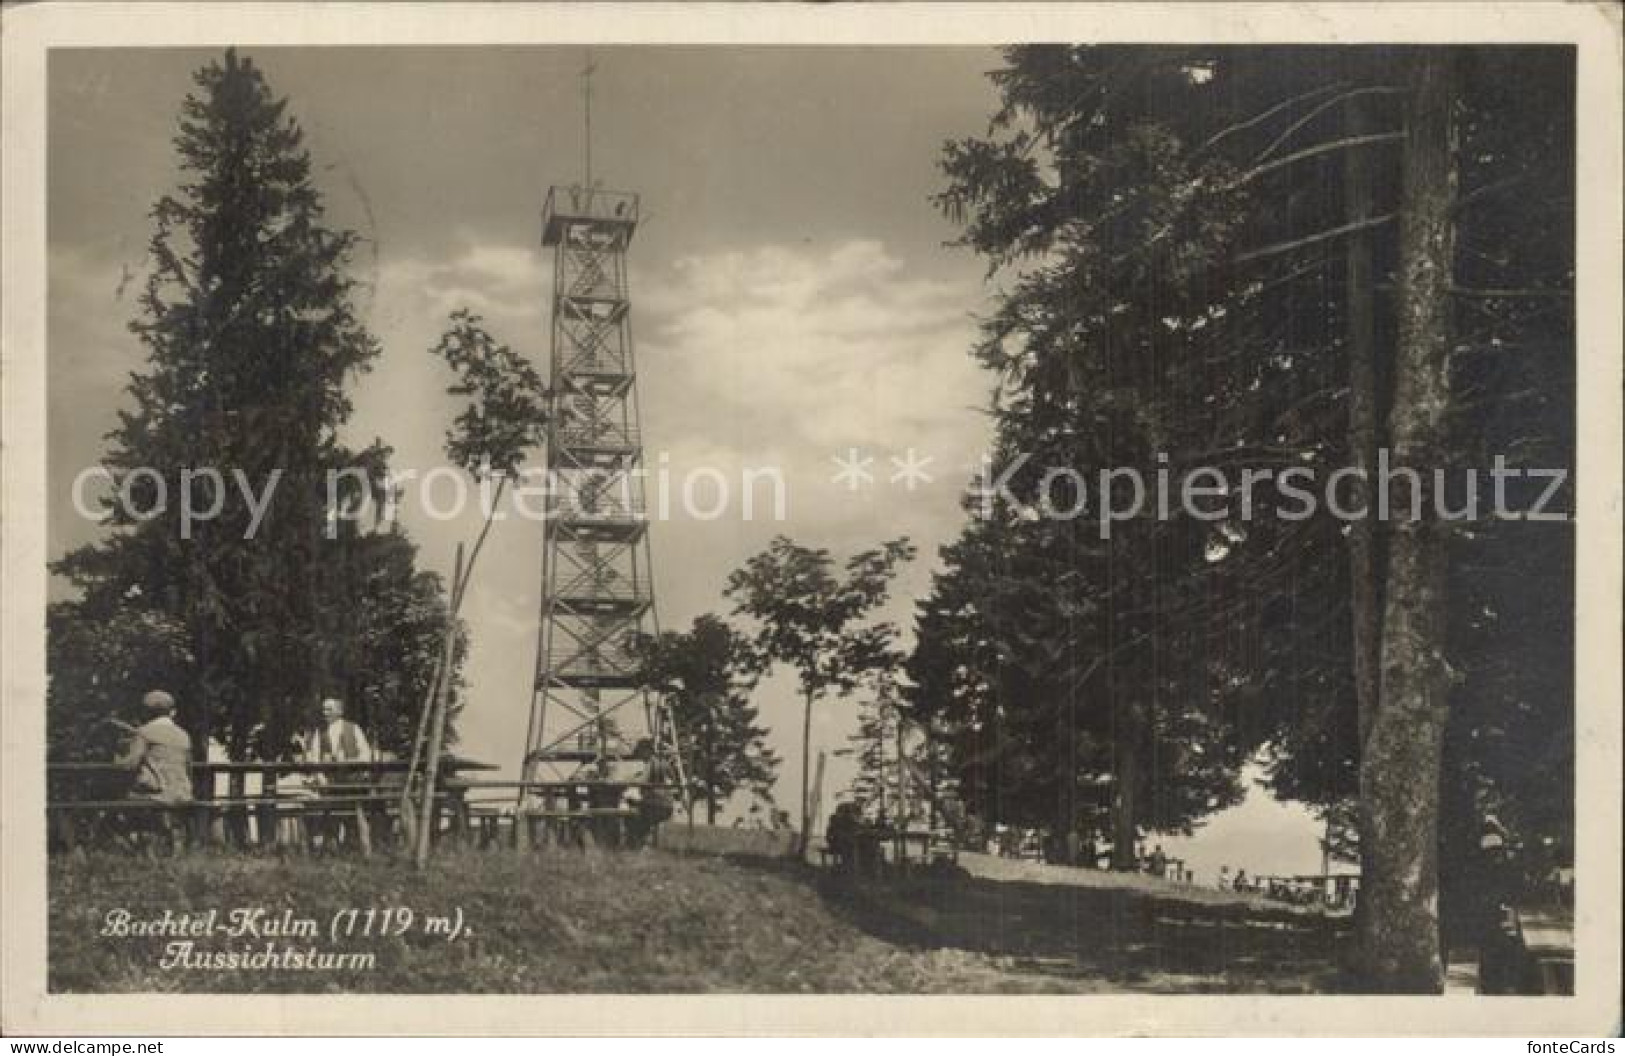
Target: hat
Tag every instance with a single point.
(158, 700)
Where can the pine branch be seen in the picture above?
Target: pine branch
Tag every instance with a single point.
(1346, 143)
(1264, 116)
(1317, 111)
(1510, 293)
(1319, 236)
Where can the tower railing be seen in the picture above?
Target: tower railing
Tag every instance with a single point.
(576, 204)
(599, 435)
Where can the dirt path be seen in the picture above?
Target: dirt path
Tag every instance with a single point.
(993, 867)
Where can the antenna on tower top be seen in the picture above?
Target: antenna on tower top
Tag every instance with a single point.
(586, 98)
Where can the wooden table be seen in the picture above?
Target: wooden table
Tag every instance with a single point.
(1548, 935)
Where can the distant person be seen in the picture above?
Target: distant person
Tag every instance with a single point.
(1242, 883)
(1496, 931)
(841, 836)
(1224, 878)
(655, 806)
(1158, 861)
(160, 755)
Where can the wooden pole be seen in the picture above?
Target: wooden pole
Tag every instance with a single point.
(806, 752)
(812, 806)
(409, 824)
(1326, 860)
(437, 719)
(439, 681)
(902, 794)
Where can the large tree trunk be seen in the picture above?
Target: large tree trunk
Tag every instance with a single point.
(1125, 801)
(1362, 425)
(1360, 307)
(427, 814)
(1399, 769)
(1063, 840)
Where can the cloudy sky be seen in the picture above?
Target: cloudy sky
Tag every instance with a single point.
(792, 298)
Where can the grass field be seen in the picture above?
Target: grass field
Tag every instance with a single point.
(652, 922)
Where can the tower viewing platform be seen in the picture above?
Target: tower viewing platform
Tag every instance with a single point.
(592, 208)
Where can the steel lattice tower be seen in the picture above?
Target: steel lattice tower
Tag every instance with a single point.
(594, 733)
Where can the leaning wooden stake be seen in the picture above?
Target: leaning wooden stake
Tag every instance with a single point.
(900, 840)
(437, 720)
(432, 720)
(409, 790)
(812, 807)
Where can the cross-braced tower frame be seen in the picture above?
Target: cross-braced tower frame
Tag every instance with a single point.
(594, 733)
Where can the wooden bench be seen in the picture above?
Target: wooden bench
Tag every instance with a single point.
(224, 821)
(359, 793)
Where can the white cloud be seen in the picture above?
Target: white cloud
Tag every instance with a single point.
(810, 350)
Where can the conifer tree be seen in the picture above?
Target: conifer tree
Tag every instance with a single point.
(253, 613)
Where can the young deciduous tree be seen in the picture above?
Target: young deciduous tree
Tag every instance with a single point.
(815, 618)
(506, 416)
(504, 419)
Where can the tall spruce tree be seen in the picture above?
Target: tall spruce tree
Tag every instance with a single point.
(250, 615)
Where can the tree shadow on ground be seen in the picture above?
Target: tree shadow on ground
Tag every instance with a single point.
(1126, 936)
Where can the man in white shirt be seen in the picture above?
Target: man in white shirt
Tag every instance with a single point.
(338, 740)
